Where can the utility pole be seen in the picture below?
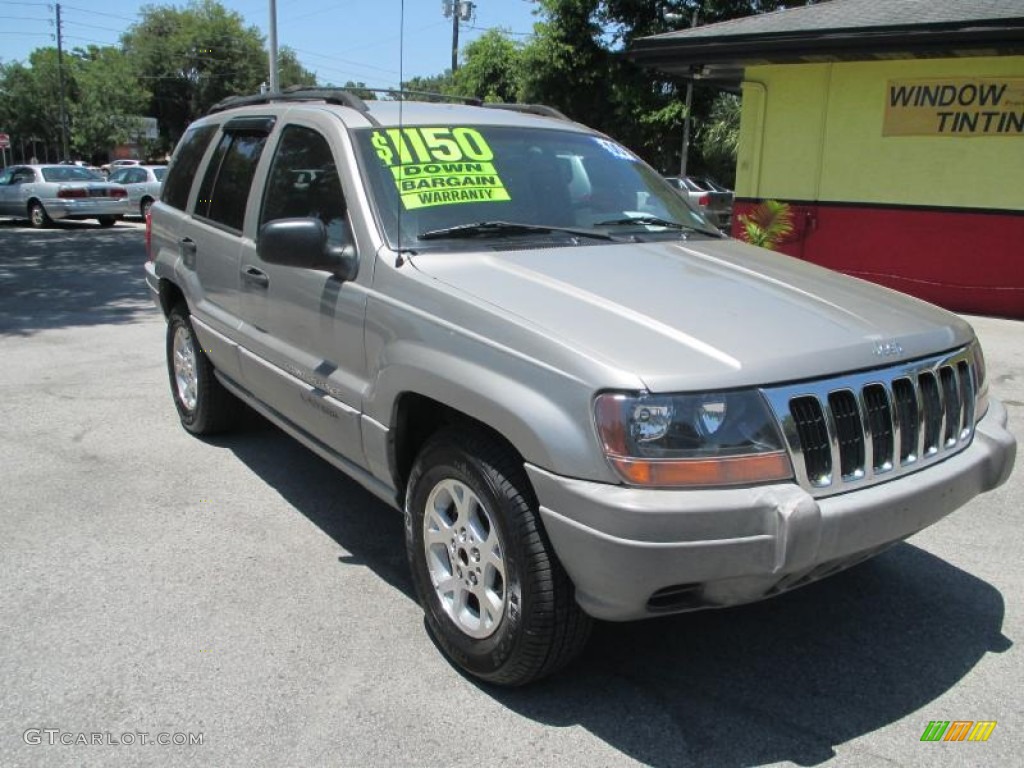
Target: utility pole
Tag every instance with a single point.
(459, 10)
(686, 119)
(273, 47)
(60, 79)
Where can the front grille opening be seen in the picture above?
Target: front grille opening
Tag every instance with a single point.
(876, 400)
(905, 401)
(967, 395)
(678, 597)
(931, 406)
(849, 433)
(953, 405)
(813, 433)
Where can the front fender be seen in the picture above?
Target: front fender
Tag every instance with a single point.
(544, 414)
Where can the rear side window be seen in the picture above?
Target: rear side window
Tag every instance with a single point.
(185, 164)
(225, 189)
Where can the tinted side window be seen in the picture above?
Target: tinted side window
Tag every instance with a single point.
(304, 182)
(185, 164)
(225, 190)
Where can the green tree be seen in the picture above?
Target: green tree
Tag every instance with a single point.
(491, 70)
(106, 101)
(30, 101)
(193, 57)
(102, 96)
(574, 63)
(443, 83)
(290, 71)
(719, 138)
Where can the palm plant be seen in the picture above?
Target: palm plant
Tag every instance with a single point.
(767, 224)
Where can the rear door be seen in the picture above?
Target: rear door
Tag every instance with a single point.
(214, 239)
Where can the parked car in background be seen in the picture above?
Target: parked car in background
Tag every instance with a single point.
(113, 165)
(43, 193)
(711, 199)
(143, 183)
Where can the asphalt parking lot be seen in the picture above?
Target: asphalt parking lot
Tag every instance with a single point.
(242, 593)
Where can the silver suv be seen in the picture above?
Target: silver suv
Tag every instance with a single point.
(586, 400)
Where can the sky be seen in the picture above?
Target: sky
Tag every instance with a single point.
(355, 40)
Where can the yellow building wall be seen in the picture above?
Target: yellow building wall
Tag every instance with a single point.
(814, 132)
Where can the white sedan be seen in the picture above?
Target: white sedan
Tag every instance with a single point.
(43, 193)
(143, 183)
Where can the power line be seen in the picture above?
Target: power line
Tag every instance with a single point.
(91, 12)
(314, 13)
(345, 61)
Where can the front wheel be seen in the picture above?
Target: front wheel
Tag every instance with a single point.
(204, 406)
(496, 599)
(107, 221)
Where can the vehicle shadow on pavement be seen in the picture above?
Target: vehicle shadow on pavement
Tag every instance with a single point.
(73, 274)
(785, 679)
(366, 528)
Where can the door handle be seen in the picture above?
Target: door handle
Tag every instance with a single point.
(187, 251)
(256, 277)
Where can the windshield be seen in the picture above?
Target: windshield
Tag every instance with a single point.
(70, 173)
(560, 183)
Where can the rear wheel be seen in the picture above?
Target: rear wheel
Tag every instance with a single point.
(496, 599)
(37, 215)
(107, 221)
(145, 205)
(204, 406)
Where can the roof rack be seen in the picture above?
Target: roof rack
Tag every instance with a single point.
(337, 96)
(532, 109)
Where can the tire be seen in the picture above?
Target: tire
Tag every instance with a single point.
(144, 206)
(107, 221)
(496, 599)
(37, 215)
(204, 406)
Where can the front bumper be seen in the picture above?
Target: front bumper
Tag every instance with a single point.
(633, 552)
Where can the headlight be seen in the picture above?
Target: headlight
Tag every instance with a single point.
(726, 438)
(980, 381)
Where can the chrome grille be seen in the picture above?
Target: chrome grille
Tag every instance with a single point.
(864, 428)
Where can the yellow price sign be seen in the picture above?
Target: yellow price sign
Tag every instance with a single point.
(440, 166)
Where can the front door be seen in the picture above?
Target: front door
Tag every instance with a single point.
(305, 326)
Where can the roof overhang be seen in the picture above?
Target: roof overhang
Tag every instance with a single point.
(722, 59)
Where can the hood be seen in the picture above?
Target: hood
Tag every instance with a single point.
(702, 314)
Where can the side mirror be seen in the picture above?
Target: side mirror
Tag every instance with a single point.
(303, 243)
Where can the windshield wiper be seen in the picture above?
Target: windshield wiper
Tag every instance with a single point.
(503, 228)
(655, 221)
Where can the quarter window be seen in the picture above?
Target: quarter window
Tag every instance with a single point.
(186, 162)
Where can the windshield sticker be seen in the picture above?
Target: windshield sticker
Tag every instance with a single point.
(440, 166)
(617, 150)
